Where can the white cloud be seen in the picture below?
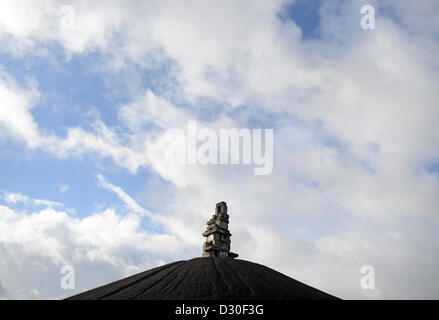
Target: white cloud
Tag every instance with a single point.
(64, 188)
(11, 197)
(17, 122)
(131, 204)
(24, 24)
(150, 109)
(15, 117)
(36, 244)
(17, 198)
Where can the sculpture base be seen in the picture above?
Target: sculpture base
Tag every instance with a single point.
(220, 254)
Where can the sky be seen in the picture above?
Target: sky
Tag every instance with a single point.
(89, 91)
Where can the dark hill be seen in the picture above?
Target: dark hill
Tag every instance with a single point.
(206, 278)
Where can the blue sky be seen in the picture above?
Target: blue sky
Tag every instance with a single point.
(73, 92)
(84, 115)
(305, 15)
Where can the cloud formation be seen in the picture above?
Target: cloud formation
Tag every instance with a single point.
(36, 244)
